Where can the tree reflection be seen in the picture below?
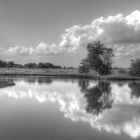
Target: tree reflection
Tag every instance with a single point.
(121, 84)
(35, 79)
(98, 97)
(135, 89)
(44, 80)
(83, 84)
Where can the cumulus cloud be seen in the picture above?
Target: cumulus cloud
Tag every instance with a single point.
(122, 33)
(21, 50)
(118, 32)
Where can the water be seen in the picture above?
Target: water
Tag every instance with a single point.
(41, 108)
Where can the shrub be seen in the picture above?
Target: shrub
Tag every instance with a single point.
(134, 69)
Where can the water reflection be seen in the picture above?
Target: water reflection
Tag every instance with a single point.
(98, 97)
(135, 89)
(105, 106)
(31, 79)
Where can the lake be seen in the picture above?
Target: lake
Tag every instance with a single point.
(47, 108)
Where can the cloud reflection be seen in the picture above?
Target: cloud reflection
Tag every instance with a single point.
(124, 116)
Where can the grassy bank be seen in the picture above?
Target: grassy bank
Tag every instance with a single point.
(72, 73)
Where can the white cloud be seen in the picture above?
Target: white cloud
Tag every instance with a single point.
(19, 50)
(122, 33)
(44, 48)
(114, 30)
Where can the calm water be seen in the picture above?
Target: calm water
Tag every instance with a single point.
(41, 108)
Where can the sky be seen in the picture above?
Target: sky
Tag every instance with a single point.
(58, 31)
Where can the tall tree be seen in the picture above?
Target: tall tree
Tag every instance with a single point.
(99, 57)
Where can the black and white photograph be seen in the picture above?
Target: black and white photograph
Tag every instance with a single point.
(69, 69)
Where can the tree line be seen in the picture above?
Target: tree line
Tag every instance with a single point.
(11, 64)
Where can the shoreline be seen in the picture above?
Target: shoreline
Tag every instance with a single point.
(68, 73)
(84, 76)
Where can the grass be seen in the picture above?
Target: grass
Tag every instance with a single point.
(70, 73)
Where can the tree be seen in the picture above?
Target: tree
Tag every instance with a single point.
(10, 64)
(30, 65)
(40, 65)
(17, 66)
(48, 65)
(84, 68)
(57, 67)
(134, 69)
(3, 64)
(99, 58)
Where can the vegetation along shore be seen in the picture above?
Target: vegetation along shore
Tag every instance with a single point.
(70, 73)
(97, 65)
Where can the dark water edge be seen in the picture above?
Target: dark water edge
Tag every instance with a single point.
(85, 76)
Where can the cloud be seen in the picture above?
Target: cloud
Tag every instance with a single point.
(44, 48)
(20, 50)
(122, 33)
(115, 31)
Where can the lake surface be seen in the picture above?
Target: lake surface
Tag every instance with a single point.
(47, 108)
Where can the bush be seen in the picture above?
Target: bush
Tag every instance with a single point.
(84, 68)
(134, 69)
(122, 71)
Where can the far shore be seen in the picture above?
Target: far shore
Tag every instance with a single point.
(70, 73)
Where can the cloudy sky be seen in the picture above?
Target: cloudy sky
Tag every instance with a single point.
(57, 31)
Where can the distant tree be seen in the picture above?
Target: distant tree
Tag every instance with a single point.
(122, 71)
(17, 66)
(134, 69)
(48, 65)
(70, 68)
(3, 64)
(30, 65)
(84, 68)
(40, 65)
(10, 64)
(99, 58)
(115, 68)
(57, 67)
